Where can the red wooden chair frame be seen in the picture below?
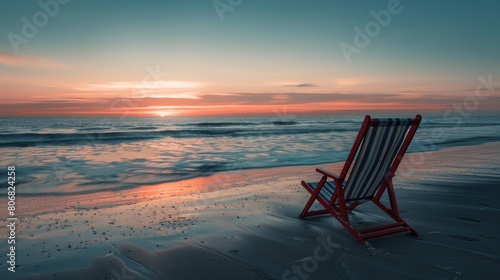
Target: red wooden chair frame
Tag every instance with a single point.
(337, 206)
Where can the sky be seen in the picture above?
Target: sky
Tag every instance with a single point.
(247, 57)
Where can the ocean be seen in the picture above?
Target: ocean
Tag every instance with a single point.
(88, 154)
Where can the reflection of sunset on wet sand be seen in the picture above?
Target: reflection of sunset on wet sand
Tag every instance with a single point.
(246, 223)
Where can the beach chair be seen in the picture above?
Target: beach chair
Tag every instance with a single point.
(378, 148)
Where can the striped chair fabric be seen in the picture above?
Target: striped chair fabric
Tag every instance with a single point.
(376, 154)
(380, 145)
(326, 192)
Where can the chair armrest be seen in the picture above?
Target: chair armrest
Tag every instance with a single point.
(328, 174)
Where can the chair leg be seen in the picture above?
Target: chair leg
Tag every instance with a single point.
(308, 205)
(348, 227)
(315, 213)
(339, 213)
(313, 197)
(392, 212)
(352, 206)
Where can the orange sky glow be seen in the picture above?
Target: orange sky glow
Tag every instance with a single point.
(178, 58)
(53, 95)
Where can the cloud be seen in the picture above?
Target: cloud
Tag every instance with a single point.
(301, 85)
(145, 85)
(27, 61)
(237, 102)
(158, 89)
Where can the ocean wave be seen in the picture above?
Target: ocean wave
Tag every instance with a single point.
(465, 124)
(143, 128)
(94, 138)
(219, 124)
(468, 141)
(92, 128)
(77, 155)
(244, 124)
(256, 128)
(284, 122)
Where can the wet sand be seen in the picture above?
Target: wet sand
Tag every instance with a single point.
(244, 225)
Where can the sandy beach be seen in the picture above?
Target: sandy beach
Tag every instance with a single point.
(244, 225)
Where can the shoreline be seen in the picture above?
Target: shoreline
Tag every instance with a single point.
(216, 181)
(230, 171)
(82, 170)
(172, 187)
(251, 229)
